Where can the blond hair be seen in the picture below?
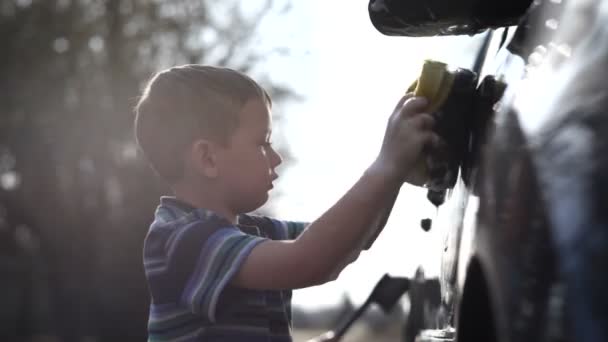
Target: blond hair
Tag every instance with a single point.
(185, 103)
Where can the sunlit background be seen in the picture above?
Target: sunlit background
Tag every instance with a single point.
(76, 199)
(349, 77)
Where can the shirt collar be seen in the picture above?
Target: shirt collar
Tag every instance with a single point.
(179, 208)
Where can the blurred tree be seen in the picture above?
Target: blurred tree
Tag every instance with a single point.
(70, 73)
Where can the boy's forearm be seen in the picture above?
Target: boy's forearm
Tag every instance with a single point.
(351, 222)
(369, 239)
(381, 219)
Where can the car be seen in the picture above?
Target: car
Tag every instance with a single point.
(523, 192)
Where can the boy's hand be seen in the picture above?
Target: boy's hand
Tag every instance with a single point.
(330, 242)
(408, 134)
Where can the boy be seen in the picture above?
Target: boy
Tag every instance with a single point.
(214, 272)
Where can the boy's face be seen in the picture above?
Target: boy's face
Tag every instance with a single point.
(246, 167)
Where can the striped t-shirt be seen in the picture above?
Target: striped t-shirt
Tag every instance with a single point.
(190, 256)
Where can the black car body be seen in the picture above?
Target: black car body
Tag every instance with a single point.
(526, 251)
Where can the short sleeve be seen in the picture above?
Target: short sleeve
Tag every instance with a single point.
(220, 258)
(288, 230)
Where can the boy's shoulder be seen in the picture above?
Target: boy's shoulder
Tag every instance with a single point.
(176, 221)
(172, 216)
(180, 231)
(173, 213)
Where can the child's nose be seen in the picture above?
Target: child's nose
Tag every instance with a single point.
(275, 158)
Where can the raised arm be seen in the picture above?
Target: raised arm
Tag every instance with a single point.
(313, 257)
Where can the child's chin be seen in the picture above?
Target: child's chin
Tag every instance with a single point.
(263, 199)
(255, 204)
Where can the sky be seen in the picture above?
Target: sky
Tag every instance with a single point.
(349, 77)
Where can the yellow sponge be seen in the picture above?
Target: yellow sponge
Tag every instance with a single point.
(434, 83)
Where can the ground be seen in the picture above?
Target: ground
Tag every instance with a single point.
(358, 333)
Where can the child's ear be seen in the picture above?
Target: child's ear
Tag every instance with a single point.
(203, 156)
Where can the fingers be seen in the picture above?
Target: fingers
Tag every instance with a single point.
(413, 105)
(402, 100)
(432, 142)
(423, 121)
